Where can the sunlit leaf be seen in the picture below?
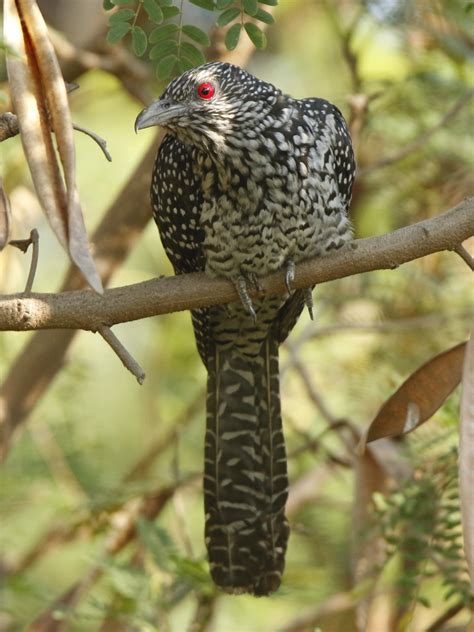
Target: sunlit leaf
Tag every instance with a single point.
(264, 16)
(466, 457)
(170, 12)
(154, 10)
(196, 34)
(108, 5)
(420, 395)
(223, 4)
(232, 36)
(139, 41)
(250, 7)
(258, 37)
(227, 16)
(192, 53)
(163, 49)
(163, 32)
(117, 32)
(166, 66)
(184, 64)
(121, 16)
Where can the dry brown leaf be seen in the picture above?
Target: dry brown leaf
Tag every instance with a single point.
(5, 217)
(39, 97)
(420, 396)
(466, 457)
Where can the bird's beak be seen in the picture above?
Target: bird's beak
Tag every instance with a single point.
(159, 113)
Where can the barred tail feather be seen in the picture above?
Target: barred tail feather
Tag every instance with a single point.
(245, 480)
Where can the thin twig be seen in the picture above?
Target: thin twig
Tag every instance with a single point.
(465, 255)
(34, 237)
(9, 128)
(126, 358)
(98, 139)
(23, 245)
(448, 614)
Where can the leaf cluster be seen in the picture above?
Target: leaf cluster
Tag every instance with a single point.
(421, 523)
(175, 47)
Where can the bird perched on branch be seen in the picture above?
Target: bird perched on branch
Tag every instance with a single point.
(247, 181)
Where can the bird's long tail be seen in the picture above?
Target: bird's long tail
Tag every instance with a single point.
(245, 474)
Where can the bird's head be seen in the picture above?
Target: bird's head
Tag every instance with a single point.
(207, 104)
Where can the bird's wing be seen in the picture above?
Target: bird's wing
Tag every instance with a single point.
(323, 114)
(176, 197)
(319, 115)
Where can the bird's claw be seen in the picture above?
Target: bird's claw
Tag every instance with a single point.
(240, 284)
(255, 281)
(308, 299)
(290, 275)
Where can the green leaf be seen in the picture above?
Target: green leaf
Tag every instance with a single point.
(163, 49)
(154, 11)
(232, 36)
(163, 32)
(184, 64)
(119, 3)
(264, 16)
(165, 68)
(270, 3)
(223, 4)
(165, 3)
(204, 4)
(227, 16)
(170, 12)
(108, 5)
(250, 7)
(196, 34)
(117, 32)
(121, 16)
(139, 41)
(257, 36)
(192, 53)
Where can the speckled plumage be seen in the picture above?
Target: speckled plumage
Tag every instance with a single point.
(246, 183)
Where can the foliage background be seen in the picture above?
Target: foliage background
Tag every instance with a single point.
(395, 68)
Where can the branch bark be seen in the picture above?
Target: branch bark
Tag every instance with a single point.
(89, 311)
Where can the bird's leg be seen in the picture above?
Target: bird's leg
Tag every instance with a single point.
(290, 275)
(255, 281)
(289, 278)
(308, 299)
(240, 284)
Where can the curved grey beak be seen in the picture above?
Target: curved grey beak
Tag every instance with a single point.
(159, 113)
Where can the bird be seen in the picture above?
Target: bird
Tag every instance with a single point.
(247, 181)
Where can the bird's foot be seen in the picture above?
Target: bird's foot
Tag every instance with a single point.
(308, 299)
(255, 281)
(289, 275)
(240, 284)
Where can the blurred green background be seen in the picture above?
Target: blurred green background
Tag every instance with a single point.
(395, 68)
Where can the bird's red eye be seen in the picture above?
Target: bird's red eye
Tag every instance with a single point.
(205, 90)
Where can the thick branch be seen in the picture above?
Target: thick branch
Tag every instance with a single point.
(89, 311)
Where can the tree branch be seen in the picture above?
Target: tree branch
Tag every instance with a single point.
(89, 311)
